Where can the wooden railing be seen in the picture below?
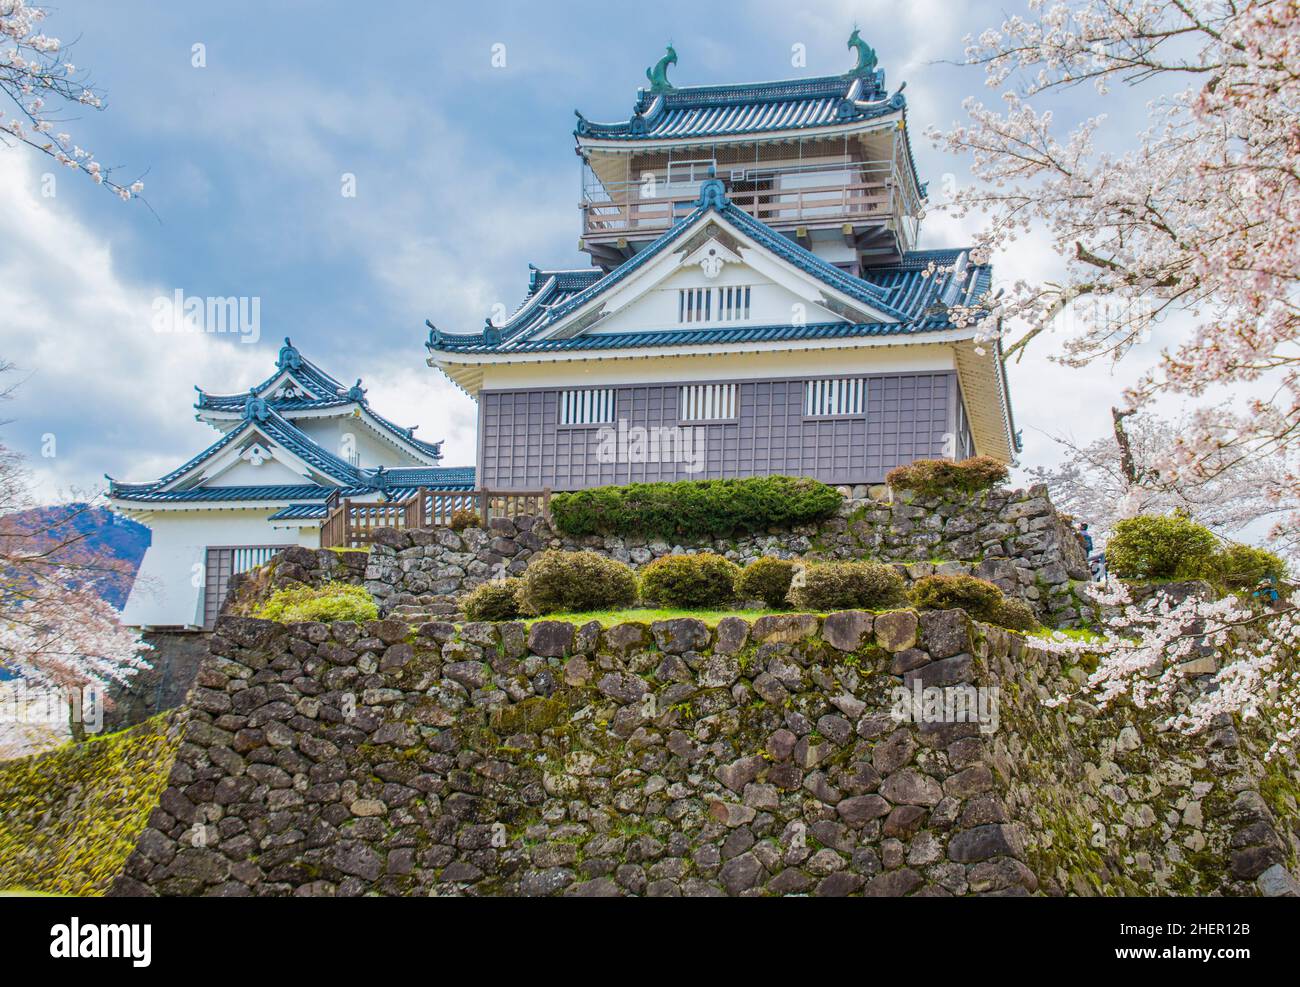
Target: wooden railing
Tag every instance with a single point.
(862, 201)
(350, 524)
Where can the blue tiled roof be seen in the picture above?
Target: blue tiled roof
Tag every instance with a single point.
(275, 428)
(399, 485)
(324, 391)
(907, 291)
(716, 111)
(279, 430)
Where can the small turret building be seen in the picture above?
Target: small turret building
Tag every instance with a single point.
(289, 449)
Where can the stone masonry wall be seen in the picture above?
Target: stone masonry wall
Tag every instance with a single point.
(679, 759)
(1013, 538)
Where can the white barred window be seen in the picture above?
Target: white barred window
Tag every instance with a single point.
(708, 402)
(838, 396)
(694, 305)
(733, 303)
(591, 406)
(728, 304)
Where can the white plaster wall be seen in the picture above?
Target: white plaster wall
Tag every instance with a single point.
(333, 433)
(168, 589)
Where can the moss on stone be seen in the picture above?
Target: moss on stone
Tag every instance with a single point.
(70, 818)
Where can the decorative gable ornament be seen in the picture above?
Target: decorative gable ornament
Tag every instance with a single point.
(255, 408)
(256, 454)
(711, 263)
(711, 257)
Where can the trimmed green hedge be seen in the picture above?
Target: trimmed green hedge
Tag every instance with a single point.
(574, 582)
(767, 579)
(497, 600)
(1241, 567)
(691, 509)
(980, 598)
(849, 586)
(1154, 547)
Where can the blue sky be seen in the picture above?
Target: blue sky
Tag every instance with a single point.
(464, 173)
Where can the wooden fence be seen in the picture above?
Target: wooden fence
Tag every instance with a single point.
(352, 525)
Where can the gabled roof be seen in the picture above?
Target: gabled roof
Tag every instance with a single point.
(263, 421)
(260, 420)
(752, 108)
(917, 293)
(320, 392)
(401, 486)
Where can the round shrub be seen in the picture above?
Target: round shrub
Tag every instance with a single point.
(558, 582)
(689, 581)
(766, 579)
(1155, 547)
(332, 601)
(1241, 567)
(1014, 614)
(848, 586)
(497, 600)
(978, 597)
(934, 477)
(462, 518)
(981, 599)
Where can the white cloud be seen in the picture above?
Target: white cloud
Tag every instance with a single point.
(114, 395)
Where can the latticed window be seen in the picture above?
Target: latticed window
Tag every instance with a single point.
(727, 304)
(694, 305)
(590, 406)
(837, 396)
(708, 402)
(733, 303)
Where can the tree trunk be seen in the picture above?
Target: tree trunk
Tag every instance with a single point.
(76, 727)
(1126, 464)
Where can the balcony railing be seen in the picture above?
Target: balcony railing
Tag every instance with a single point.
(781, 197)
(353, 525)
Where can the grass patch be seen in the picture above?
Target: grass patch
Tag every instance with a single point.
(609, 618)
(70, 817)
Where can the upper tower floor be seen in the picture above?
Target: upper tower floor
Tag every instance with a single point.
(825, 161)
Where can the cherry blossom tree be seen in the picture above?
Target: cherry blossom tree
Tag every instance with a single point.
(1158, 653)
(1119, 476)
(1197, 224)
(1192, 229)
(45, 88)
(58, 635)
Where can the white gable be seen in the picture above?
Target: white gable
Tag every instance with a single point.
(246, 472)
(252, 459)
(692, 283)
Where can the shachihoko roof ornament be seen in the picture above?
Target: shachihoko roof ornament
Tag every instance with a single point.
(658, 75)
(866, 56)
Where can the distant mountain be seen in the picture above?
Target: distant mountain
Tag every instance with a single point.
(105, 533)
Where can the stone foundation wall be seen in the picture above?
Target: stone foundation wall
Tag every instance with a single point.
(1013, 538)
(679, 759)
(174, 660)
